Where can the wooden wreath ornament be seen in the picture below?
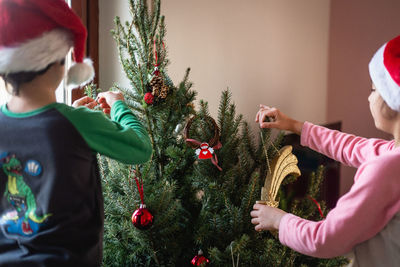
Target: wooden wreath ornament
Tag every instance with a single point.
(204, 149)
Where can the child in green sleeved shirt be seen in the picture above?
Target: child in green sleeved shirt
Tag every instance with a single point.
(51, 208)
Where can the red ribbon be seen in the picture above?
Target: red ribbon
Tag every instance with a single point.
(155, 53)
(318, 206)
(214, 159)
(140, 188)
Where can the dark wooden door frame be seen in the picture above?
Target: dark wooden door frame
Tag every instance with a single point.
(88, 11)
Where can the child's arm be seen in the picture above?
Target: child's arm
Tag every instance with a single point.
(277, 120)
(346, 148)
(358, 216)
(122, 138)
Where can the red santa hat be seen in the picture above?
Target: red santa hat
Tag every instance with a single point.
(36, 33)
(384, 69)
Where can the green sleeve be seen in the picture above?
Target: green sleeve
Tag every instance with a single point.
(122, 138)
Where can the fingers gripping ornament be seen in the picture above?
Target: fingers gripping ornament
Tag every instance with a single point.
(205, 150)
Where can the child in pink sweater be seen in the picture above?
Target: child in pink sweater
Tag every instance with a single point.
(366, 220)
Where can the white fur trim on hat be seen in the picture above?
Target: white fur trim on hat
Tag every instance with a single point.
(80, 73)
(386, 86)
(36, 54)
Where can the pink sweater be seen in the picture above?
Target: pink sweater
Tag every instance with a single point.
(361, 215)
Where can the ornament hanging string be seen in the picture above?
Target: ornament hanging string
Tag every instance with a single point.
(155, 53)
(266, 150)
(318, 206)
(233, 260)
(139, 186)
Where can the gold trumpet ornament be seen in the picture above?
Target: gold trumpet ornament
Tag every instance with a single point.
(282, 165)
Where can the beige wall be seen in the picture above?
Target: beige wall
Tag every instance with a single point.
(272, 52)
(308, 57)
(266, 51)
(358, 29)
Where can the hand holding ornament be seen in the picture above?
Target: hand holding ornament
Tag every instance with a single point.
(278, 120)
(85, 101)
(265, 217)
(107, 99)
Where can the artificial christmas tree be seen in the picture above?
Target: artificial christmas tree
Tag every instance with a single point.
(197, 204)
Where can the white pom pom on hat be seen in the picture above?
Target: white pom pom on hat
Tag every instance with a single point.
(80, 73)
(384, 69)
(34, 34)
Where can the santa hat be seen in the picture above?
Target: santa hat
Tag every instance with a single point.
(36, 33)
(384, 69)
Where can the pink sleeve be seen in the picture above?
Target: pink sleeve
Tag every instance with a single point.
(359, 215)
(346, 148)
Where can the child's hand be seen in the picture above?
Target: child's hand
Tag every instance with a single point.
(266, 217)
(85, 101)
(278, 120)
(107, 100)
(103, 104)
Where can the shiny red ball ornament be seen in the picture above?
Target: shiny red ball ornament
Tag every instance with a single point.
(200, 260)
(142, 218)
(149, 98)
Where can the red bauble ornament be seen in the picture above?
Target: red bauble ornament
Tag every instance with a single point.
(149, 98)
(142, 218)
(200, 260)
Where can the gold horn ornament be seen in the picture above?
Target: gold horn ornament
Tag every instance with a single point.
(282, 165)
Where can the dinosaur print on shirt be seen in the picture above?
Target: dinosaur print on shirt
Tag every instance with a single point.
(20, 218)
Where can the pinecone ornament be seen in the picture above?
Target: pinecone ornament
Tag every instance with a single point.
(156, 84)
(164, 91)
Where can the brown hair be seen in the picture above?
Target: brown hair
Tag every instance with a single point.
(16, 79)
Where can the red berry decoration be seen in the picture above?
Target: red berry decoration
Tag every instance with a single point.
(142, 218)
(200, 260)
(149, 98)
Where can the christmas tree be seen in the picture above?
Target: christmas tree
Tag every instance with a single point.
(197, 204)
